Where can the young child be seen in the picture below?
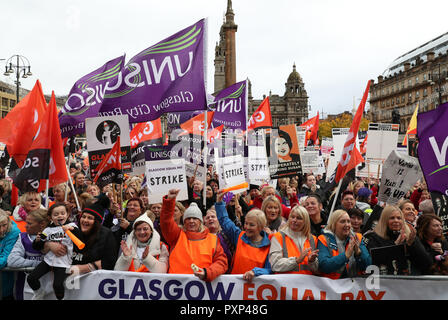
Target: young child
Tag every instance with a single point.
(55, 232)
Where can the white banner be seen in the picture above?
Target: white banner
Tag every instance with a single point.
(119, 285)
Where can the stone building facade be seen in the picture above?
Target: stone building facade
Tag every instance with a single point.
(418, 77)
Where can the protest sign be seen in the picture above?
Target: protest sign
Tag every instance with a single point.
(230, 171)
(400, 173)
(144, 134)
(440, 204)
(383, 139)
(102, 133)
(283, 152)
(326, 147)
(165, 170)
(258, 164)
(309, 158)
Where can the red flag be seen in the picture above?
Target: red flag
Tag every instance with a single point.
(20, 125)
(39, 161)
(196, 124)
(58, 171)
(261, 118)
(346, 163)
(109, 169)
(214, 134)
(146, 131)
(364, 145)
(312, 127)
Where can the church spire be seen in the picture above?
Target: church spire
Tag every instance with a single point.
(229, 13)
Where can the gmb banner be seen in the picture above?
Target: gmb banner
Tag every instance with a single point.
(119, 285)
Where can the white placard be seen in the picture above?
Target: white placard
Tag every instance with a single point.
(258, 165)
(102, 133)
(309, 158)
(382, 140)
(230, 171)
(400, 173)
(164, 175)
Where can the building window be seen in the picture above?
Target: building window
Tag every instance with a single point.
(416, 80)
(424, 77)
(402, 99)
(417, 94)
(4, 102)
(12, 103)
(425, 92)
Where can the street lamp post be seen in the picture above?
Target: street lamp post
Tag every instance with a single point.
(21, 66)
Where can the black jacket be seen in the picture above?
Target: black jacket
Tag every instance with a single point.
(420, 260)
(103, 248)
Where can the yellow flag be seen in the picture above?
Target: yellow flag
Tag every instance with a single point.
(412, 128)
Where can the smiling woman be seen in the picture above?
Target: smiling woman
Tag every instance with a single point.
(342, 253)
(100, 251)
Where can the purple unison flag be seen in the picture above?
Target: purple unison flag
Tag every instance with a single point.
(166, 77)
(432, 147)
(87, 95)
(231, 107)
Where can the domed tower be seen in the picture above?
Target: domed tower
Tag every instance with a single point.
(296, 97)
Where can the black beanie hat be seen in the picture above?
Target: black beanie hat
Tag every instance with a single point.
(97, 209)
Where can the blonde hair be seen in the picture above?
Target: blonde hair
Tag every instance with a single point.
(333, 219)
(40, 215)
(302, 213)
(270, 199)
(383, 224)
(25, 196)
(265, 189)
(259, 216)
(62, 186)
(4, 216)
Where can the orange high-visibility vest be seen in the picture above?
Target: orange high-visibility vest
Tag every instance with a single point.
(290, 249)
(142, 267)
(337, 274)
(20, 224)
(185, 252)
(248, 257)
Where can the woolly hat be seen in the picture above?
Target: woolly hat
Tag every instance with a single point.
(97, 209)
(193, 211)
(143, 218)
(364, 192)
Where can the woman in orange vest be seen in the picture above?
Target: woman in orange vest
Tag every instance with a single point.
(143, 251)
(342, 253)
(194, 249)
(28, 202)
(293, 248)
(252, 245)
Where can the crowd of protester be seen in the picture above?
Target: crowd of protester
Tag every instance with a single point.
(282, 227)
